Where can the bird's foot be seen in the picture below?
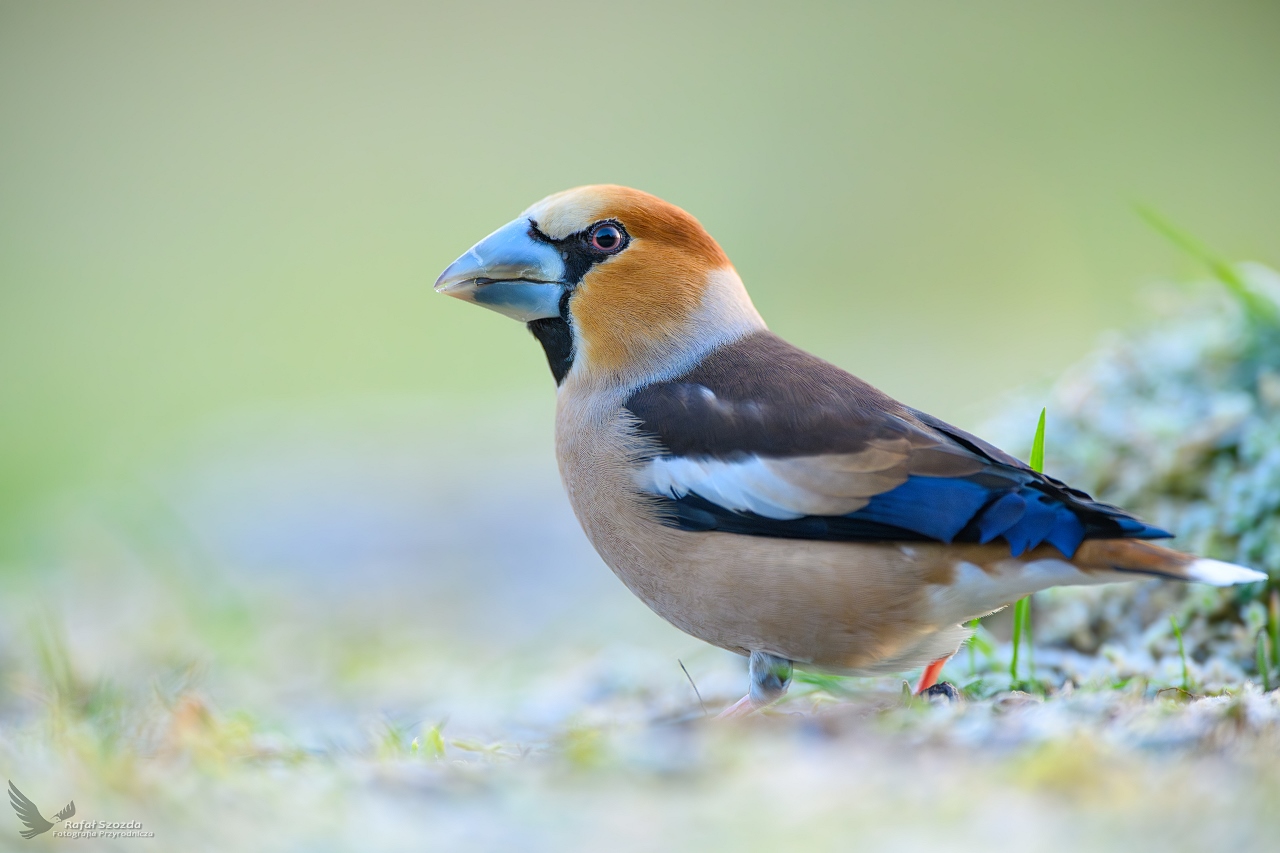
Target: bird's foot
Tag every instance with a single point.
(944, 691)
(770, 678)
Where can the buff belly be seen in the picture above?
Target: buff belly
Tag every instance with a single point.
(844, 607)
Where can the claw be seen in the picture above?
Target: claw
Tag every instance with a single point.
(944, 690)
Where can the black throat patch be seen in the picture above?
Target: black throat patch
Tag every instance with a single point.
(557, 342)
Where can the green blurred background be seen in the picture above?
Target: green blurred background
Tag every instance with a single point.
(207, 209)
(272, 512)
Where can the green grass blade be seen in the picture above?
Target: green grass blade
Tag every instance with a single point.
(1258, 308)
(1031, 644)
(1262, 658)
(1022, 610)
(1037, 446)
(1182, 653)
(973, 646)
(1275, 628)
(1019, 627)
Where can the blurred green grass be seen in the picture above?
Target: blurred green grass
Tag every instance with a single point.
(344, 731)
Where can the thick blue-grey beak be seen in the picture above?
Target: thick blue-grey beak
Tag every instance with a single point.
(510, 272)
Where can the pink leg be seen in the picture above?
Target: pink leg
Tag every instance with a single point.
(930, 675)
(741, 708)
(770, 676)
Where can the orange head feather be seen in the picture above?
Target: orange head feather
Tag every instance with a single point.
(668, 296)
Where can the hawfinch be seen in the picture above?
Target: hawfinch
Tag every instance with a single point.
(756, 496)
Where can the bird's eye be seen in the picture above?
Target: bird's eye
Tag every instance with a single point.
(606, 237)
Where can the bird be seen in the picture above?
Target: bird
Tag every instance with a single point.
(757, 497)
(30, 815)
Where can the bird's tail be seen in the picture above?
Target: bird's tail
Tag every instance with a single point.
(1135, 556)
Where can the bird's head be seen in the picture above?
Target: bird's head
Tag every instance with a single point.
(617, 285)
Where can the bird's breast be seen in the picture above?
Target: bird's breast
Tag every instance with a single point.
(842, 606)
(599, 453)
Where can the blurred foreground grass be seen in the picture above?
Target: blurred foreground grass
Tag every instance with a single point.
(306, 727)
(378, 627)
(412, 746)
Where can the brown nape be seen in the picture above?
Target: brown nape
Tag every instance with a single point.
(638, 303)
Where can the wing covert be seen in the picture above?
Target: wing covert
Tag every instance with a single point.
(764, 439)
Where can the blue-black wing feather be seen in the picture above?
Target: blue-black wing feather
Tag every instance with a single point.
(763, 397)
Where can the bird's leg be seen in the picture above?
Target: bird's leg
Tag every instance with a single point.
(770, 678)
(930, 675)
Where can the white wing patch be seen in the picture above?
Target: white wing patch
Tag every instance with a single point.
(781, 489)
(747, 486)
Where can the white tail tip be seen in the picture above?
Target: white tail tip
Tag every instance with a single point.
(1219, 573)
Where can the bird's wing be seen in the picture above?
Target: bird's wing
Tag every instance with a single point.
(68, 811)
(764, 439)
(27, 813)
